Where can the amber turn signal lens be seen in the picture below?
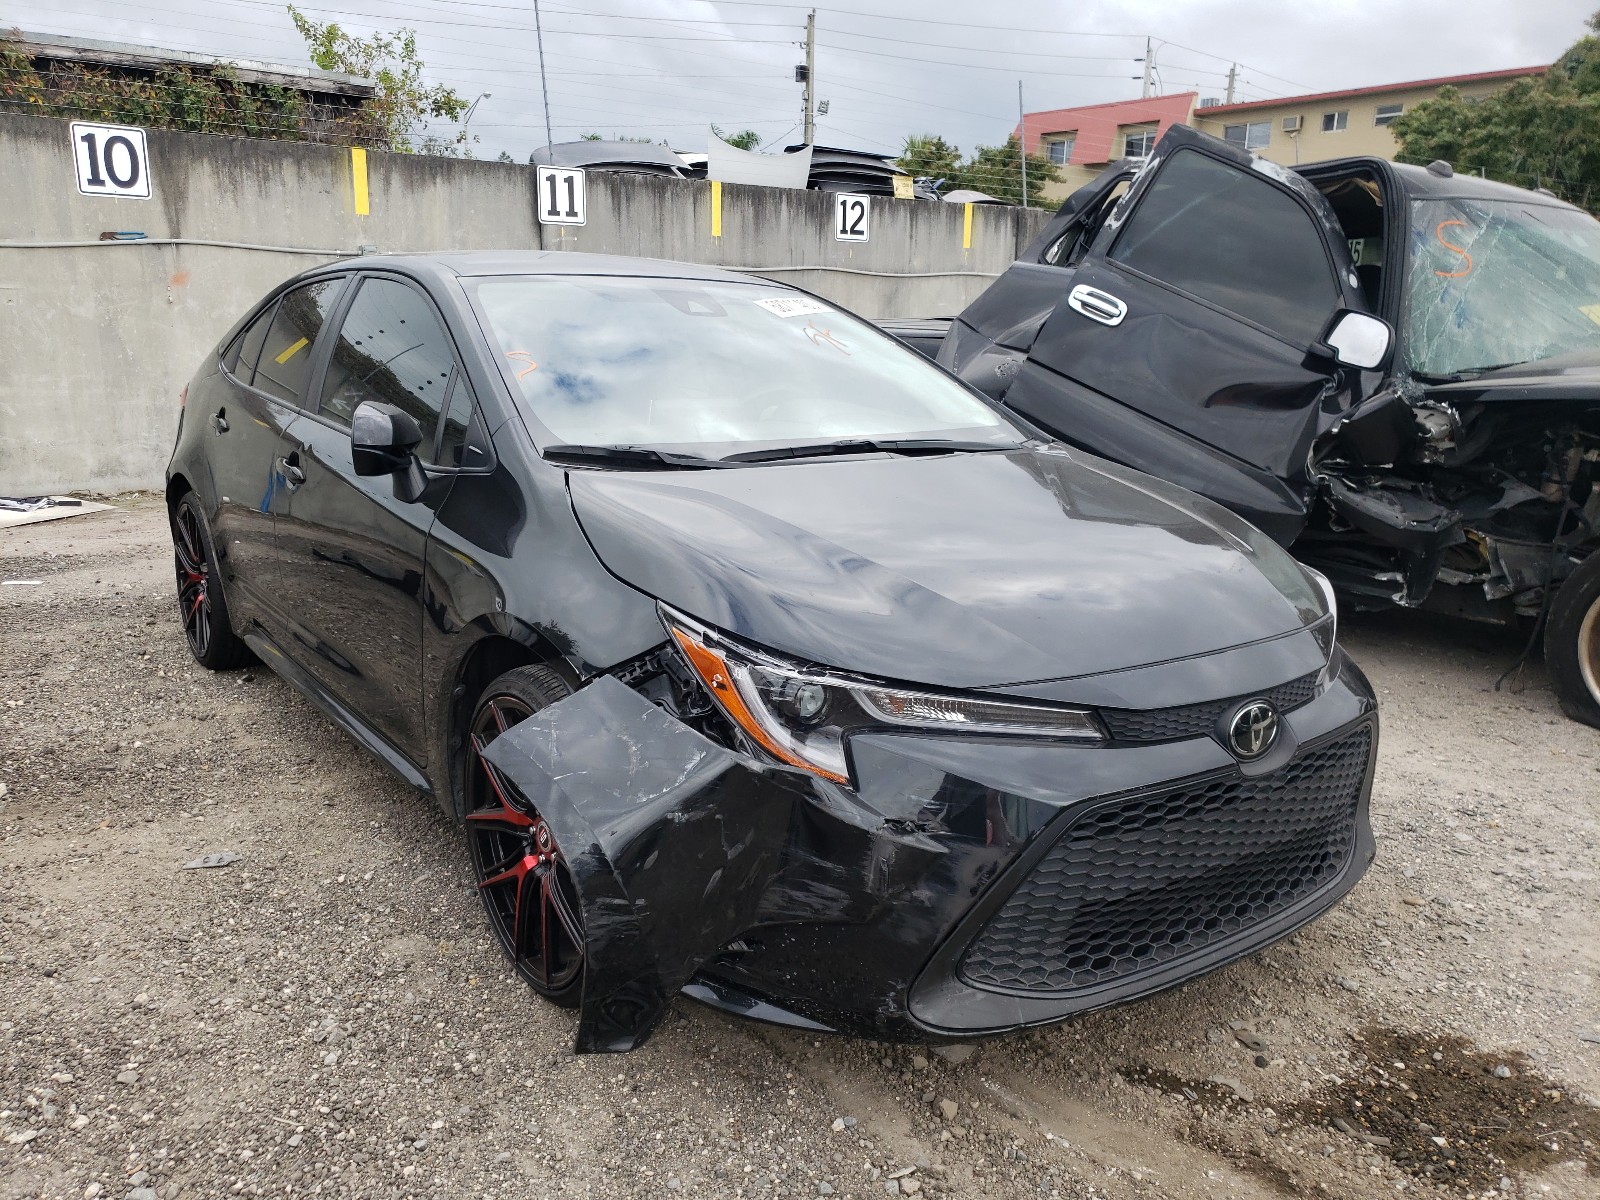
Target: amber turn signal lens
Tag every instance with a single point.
(714, 672)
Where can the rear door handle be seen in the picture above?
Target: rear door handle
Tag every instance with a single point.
(292, 474)
(1096, 305)
(220, 421)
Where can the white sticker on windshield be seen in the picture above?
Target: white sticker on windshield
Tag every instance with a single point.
(793, 306)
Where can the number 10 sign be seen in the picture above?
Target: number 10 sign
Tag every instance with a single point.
(560, 199)
(112, 160)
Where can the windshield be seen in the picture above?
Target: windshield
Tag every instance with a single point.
(714, 368)
(1500, 282)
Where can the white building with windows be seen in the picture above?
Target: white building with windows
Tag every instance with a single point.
(1303, 129)
(1081, 142)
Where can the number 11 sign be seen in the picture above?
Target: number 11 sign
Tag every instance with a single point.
(560, 199)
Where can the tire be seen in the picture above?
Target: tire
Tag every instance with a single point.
(1572, 643)
(527, 888)
(202, 606)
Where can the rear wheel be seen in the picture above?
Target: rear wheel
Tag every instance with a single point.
(201, 604)
(526, 884)
(1572, 643)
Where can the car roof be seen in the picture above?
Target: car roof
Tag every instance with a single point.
(546, 262)
(1421, 183)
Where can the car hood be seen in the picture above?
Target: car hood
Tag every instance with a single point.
(962, 570)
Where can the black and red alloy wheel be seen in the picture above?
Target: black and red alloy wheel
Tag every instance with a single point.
(194, 579)
(526, 884)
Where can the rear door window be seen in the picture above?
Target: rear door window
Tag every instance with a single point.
(241, 359)
(284, 364)
(392, 350)
(1235, 240)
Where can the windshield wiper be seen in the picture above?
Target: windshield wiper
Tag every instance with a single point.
(866, 446)
(1469, 372)
(629, 456)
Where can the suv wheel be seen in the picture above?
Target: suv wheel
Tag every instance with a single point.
(526, 884)
(1572, 642)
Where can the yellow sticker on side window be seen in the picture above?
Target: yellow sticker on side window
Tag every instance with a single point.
(292, 351)
(1592, 311)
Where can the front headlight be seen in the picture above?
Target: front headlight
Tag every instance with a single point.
(803, 716)
(1327, 629)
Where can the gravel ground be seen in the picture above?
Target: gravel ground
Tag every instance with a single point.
(328, 1015)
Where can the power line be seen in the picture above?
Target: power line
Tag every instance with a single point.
(974, 66)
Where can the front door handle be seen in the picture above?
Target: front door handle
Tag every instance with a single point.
(220, 421)
(292, 474)
(1096, 305)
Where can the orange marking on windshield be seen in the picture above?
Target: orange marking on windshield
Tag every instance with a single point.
(824, 336)
(525, 356)
(1439, 233)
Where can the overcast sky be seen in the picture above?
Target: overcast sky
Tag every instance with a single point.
(888, 67)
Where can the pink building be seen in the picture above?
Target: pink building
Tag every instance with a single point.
(1081, 141)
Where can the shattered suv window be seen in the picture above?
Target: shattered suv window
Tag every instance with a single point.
(1495, 283)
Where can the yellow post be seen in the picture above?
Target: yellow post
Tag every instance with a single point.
(358, 176)
(966, 227)
(716, 208)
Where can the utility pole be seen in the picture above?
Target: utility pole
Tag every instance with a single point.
(1022, 142)
(811, 77)
(1233, 78)
(544, 80)
(1144, 93)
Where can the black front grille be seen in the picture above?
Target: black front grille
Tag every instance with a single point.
(1195, 720)
(1134, 884)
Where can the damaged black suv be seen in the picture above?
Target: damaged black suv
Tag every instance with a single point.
(1191, 315)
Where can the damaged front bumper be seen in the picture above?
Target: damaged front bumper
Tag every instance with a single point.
(966, 886)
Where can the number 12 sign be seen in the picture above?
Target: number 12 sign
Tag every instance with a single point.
(852, 217)
(560, 198)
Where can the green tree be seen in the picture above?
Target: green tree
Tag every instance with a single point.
(615, 137)
(927, 155)
(994, 170)
(405, 103)
(745, 139)
(1542, 131)
(997, 170)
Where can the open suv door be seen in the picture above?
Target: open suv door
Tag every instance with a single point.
(1200, 289)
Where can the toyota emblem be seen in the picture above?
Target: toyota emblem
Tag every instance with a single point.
(1253, 729)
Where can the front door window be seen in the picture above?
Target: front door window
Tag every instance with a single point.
(1232, 239)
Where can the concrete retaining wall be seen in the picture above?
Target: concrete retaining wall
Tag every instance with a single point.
(97, 339)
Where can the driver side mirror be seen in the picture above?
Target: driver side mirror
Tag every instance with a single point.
(1357, 339)
(383, 441)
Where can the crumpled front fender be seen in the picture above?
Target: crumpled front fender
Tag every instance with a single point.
(672, 841)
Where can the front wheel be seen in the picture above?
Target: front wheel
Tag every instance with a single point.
(527, 887)
(1572, 643)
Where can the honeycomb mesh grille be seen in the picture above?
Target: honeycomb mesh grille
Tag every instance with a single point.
(1195, 720)
(1134, 885)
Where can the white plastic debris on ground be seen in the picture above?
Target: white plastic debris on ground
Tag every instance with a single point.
(29, 510)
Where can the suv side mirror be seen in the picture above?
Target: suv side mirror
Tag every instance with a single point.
(1359, 339)
(383, 439)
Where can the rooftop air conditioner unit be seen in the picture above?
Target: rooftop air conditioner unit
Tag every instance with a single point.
(1291, 124)
(1209, 102)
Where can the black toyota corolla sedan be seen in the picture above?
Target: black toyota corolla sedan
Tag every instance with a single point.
(760, 658)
